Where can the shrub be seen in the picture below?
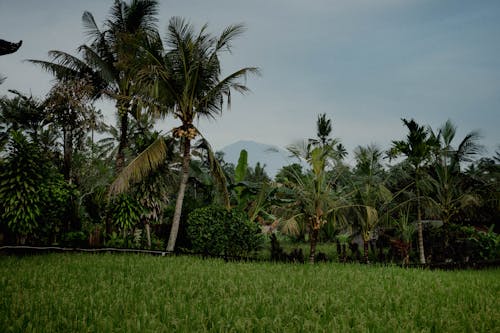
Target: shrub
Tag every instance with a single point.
(216, 231)
(126, 212)
(462, 244)
(21, 183)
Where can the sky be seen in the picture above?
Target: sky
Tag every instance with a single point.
(365, 63)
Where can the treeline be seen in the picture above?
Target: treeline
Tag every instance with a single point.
(68, 178)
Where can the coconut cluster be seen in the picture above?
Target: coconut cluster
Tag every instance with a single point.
(185, 132)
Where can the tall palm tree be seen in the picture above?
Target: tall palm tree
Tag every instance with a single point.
(109, 58)
(315, 198)
(417, 149)
(371, 197)
(187, 79)
(449, 194)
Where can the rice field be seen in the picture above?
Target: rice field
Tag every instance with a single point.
(137, 293)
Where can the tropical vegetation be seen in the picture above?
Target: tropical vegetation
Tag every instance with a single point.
(69, 178)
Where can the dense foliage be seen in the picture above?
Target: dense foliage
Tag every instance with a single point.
(217, 231)
(69, 178)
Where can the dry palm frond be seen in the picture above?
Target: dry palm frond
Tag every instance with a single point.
(290, 226)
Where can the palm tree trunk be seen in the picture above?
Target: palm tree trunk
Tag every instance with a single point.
(180, 195)
(120, 156)
(314, 241)
(365, 249)
(67, 153)
(148, 235)
(420, 230)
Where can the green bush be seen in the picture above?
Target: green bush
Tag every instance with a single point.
(126, 212)
(462, 244)
(21, 183)
(218, 232)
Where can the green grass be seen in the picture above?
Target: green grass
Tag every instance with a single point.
(134, 293)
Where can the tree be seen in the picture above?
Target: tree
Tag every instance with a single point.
(371, 197)
(315, 194)
(69, 107)
(323, 139)
(417, 149)
(449, 193)
(187, 79)
(314, 198)
(288, 173)
(109, 59)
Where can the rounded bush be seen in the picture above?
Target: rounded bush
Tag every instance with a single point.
(217, 231)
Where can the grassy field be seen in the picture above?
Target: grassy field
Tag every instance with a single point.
(134, 293)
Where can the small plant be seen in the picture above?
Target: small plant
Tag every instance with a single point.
(343, 243)
(405, 230)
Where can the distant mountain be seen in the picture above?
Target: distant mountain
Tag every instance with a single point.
(273, 157)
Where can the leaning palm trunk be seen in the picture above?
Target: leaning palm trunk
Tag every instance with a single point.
(180, 195)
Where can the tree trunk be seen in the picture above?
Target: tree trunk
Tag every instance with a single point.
(420, 230)
(148, 235)
(180, 195)
(67, 153)
(365, 251)
(120, 156)
(314, 241)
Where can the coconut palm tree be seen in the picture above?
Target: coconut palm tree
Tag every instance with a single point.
(187, 79)
(418, 149)
(449, 194)
(371, 197)
(314, 197)
(108, 59)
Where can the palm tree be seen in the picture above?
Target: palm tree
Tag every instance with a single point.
(450, 196)
(371, 197)
(187, 79)
(314, 196)
(323, 139)
(109, 59)
(418, 149)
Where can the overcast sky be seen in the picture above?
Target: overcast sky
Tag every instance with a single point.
(365, 63)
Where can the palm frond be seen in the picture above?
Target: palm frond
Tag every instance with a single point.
(216, 170)
(141, 166)
(469, 147)
(90, 26)
(290, 226)
(229, 33)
